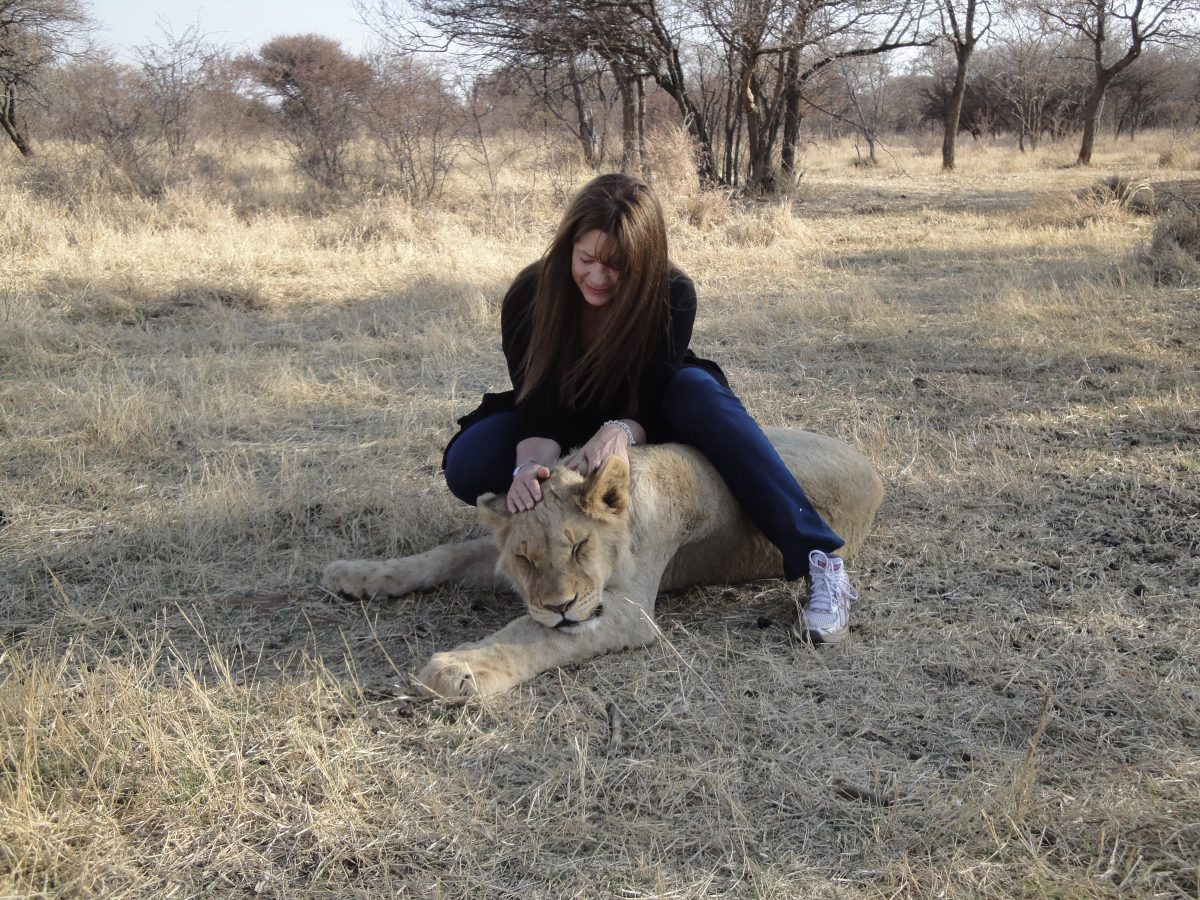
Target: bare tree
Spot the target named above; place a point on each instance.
(1145, 94)
(963, 31)
(867, 95)
(635, 39)
(416, 122)
(770, 49)
(320, 89)
(1181, 108)
(778, 46)
(100, 104)
(545, 45)
(571, 92)
(1115, 33)
(33, 34)
(1027, 73)
(175, 71)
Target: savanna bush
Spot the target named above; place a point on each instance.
(1123, 193)
(669, 158)
(1174, 254)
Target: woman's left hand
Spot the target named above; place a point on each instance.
(610, 440)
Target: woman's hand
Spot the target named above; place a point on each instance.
(526, 490)
(610, 440)
(533, 455)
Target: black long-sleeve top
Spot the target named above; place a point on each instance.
(541, 414)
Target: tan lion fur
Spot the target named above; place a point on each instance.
(590, 559)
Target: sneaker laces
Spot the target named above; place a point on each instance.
(827, 580)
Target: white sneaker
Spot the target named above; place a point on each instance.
(825, 619)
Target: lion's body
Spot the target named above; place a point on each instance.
(590, 559)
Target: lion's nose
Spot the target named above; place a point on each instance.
(560, 608)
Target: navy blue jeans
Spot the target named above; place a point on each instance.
(698, 410)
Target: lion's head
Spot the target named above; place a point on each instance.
(560, 554)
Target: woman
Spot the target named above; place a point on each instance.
(596, 337)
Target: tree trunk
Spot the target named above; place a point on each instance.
(707, 165)
(791, 114)
(1095, 100)
(8, 118)
(962, 54)
(760, 177)
(630, 151)
(641, 117)
(728, 160)
(17, 138)
(731, 125)
(587, 125)
(1091, 118)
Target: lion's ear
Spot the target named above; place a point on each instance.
(493, 510)
(606, 490)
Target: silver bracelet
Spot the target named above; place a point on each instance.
(628, 431)
(517, 470)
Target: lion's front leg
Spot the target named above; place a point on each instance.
(524, 649)
(471, 564)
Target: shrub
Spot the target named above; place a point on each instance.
(1174, 255)
(319, 90)
(1121, 192)
(669, 156)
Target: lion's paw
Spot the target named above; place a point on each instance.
(450, 676)
(361, 579)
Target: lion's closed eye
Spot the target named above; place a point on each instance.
(575, 550)
(524, 560)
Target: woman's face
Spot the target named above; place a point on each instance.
(595, 279)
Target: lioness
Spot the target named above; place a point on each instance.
(590, 559)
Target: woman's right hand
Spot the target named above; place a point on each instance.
(526, 490)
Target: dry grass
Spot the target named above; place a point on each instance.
(1174, 253)
(206, 397)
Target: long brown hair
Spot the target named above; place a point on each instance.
(627, 212)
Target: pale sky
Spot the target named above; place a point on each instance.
(246, 24)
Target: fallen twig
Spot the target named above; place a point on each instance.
(853, 792)
(615, 742)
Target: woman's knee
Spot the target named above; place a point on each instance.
(462, 477)
(477, 459)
